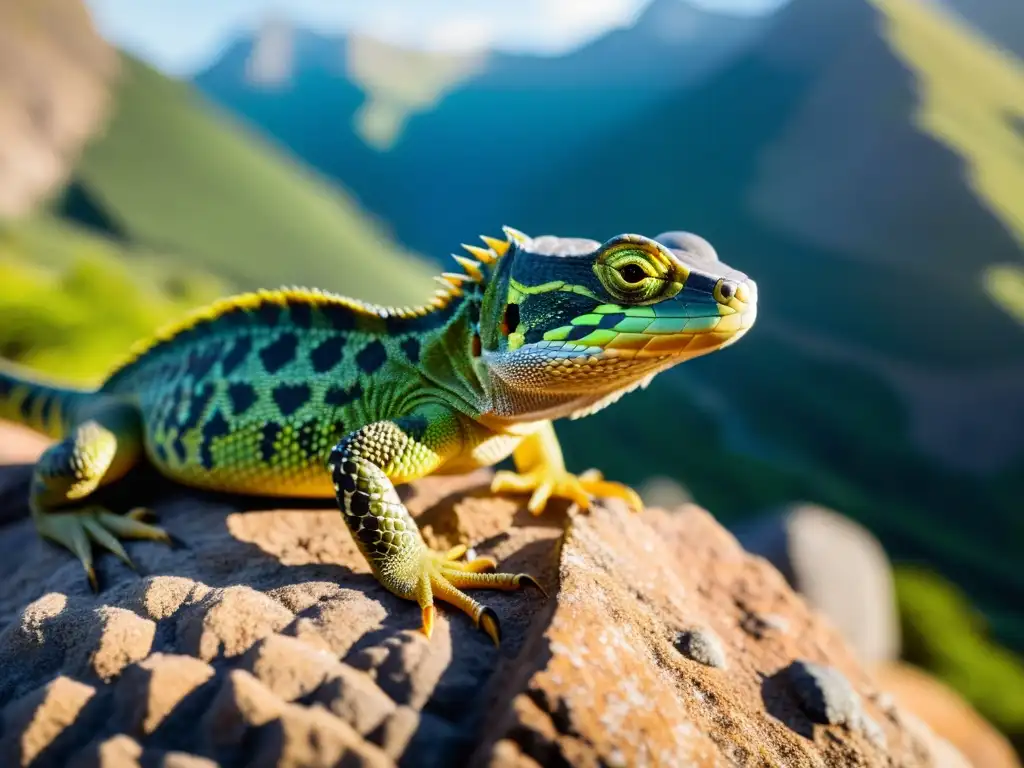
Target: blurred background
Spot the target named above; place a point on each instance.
(863, 160)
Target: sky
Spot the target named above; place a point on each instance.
(180, 37)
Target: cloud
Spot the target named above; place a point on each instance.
(539, 26)
(182, 36)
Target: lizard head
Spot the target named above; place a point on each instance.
(572, 324)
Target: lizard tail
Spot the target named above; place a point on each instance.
(41, 405)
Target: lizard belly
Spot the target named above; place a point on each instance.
(310, 482)
(287, 460)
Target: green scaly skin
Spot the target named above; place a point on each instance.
(302, 393)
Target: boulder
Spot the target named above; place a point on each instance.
(263, 640)
(838, 566)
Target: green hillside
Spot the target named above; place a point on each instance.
(971, 99)
(72, 302)
(173, 172)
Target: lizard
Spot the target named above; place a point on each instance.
(304, 393)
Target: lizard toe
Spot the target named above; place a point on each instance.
(609, 489)
(488, 623)
(81, 529)
(429, 616)
(444, 579)
(131, 527)
(544, 484)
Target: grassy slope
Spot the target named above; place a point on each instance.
(198, 207)
(972, 100)
(71, 302)
(175, 173)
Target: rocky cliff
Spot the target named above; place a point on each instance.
(55, 78)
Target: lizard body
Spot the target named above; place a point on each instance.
(302, 393)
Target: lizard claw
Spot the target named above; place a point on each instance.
(445, 578)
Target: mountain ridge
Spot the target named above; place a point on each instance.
(502, 122)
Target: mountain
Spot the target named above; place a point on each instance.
(174, 172)
(1001, 21)
(462, 163)
(170, 204)
(832, 151)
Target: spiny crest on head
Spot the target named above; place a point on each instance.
(451, 282)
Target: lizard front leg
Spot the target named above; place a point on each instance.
(365, 466)
(99, 450)
(540, 471)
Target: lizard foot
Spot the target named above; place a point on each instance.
(79, 530)
(444, 576)
(543, 484)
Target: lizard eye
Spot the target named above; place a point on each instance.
(637, 271)
(632, 273)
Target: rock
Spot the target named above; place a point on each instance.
(34, 725)
(824, 694)
(613, 689)
(265, 641)
(157, 687)
(663, 492)
(55, 80)
(947, 713)
(804, 543)
(123, 752)
(701, 645)
(839, 567)
(229, 621)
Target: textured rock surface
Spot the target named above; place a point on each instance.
(265, 642)
(55, 74)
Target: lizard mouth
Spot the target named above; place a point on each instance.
(676, 329)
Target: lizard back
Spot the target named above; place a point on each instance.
(250, 394)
